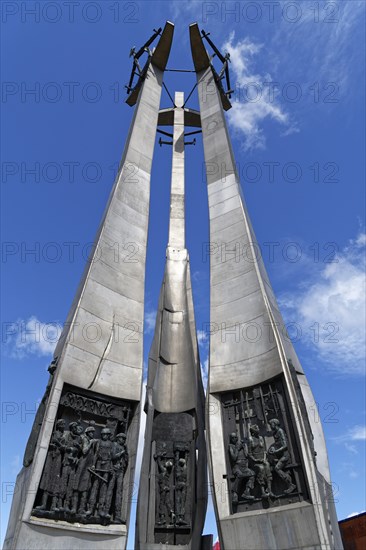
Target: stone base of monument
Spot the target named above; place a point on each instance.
(38, 533)
(205, 544)
(278, 528)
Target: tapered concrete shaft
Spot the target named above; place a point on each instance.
(249, 349)
(175, 399)
(100, 352)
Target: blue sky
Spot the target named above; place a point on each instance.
(297, 126)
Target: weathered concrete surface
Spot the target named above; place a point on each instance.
(247, 343)
(110, 299)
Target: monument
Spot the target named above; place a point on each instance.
(266, 456)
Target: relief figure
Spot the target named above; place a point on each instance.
(280, 454)
(261, 466)
(238, 454)
(51, 477)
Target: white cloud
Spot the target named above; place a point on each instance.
(309, 59)
(351, 448)
(357, 433)
(253, 103)
(31, 337)
(335, 301)
(183, 9)
(350, 438)
(150, 319)
(202, 338)
(348, 469)
(320, 44)
(204, 372)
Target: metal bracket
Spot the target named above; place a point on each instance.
(157, 56)
(224, 72)
(162, 142)
(141, 72)
(193, 142)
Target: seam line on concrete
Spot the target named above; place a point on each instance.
(223, 189)
(244, 360)
(245, 322)
(226, 227)
(120, 272)
(108, 320)
(105, 358)
(115, 292)
(231, 278)
(236, 299)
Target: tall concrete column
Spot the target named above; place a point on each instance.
(267, 496)
(96, 375)
(173, 490)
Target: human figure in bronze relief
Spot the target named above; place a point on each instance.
(51, 477)
(82, 480)
(238, 454)
(181, 491)
(165, 468)
(280, 454)
(72, 443)
(120, 463)
(258, 457)
(102, 473)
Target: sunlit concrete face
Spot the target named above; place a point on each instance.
(242, 300)
(110, 298)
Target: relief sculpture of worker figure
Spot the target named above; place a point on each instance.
(280, 454)
(258, 457)
(82, 480)
(51, 477)
(165, 509)
(238, 454)
(72, 442)
(181, 491)
(120, 463)
(102, 471)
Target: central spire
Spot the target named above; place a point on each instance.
(173, 485)
(177, 220)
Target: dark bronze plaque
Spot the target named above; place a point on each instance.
(173, 427)
(83, 475)
(174, 457)
(264, 466)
